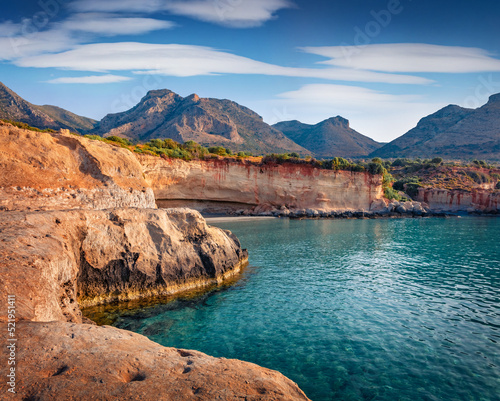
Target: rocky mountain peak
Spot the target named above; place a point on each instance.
(194, 98)
(494, 99)
(339, 121)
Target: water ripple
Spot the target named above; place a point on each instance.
(356, 310)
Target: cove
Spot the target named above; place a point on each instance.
(395, 309)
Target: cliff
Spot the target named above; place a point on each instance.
(446, 200)
(51, 171)
(246, 185)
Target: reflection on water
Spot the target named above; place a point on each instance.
(355, 310)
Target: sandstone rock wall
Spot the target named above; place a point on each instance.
(58, 261)
(461, 201)
(51, 171)
(291, 185)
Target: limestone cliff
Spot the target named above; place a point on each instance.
(476, 200)
(51, 171)
(295, 186)
(57, 261)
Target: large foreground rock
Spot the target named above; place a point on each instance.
(55, 261)
(65, 361)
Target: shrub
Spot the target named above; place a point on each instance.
(391, 194)
(400, 163)
(376, 168)
(478, 177)
(95, 137)
(218, 150)
(437, 160)
(119, 140)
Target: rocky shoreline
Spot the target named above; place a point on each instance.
(79, 226)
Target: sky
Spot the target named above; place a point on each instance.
(382, 64)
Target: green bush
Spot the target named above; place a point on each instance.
(95, 138)
(437, 160)
(376, 168)
(478, 177)
(218, 150)
(391, 194)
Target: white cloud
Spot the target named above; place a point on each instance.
(187, 60)
(9, 28)
(93, 79)
(379, 115)
(144, 6)
(18, 40)
(408, 58)
(108, 24)
(234, 13)
(19, 46)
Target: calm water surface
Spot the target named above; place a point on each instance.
(355, 310)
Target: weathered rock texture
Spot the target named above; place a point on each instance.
(49, 171)
(296, 186)
(65, 361)
(56, 261)
(478, 200)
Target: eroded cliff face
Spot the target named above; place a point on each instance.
(53, 171)
(59, 261)
(295, 186)
(478, 200)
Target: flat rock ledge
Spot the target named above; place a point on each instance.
(66, 361)
(56, 261)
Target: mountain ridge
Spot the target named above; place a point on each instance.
(210, 122)
(14, 107)
(329, 138)
(452, 132)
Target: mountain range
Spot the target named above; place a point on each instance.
(15, 108)
(209, 122)
(452, 133)
(330, 137)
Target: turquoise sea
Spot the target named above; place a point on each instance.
(396, 309)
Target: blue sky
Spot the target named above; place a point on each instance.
(383, 64)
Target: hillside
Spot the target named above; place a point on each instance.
(15, 108)
(332, 137)
(210, 122)
(452, 133)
